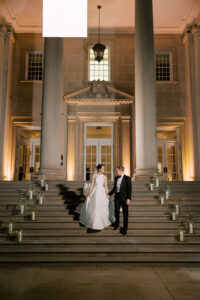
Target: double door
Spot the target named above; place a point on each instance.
(169, 164)
(98, 153)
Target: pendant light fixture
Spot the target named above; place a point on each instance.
(99, 48)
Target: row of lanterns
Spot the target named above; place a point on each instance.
(25, 196)
(165, 194)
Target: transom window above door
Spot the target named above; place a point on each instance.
(99, 71)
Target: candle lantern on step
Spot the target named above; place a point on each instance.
(19, 235)
(10, 228)
(151, 187)
(42, 181)
(157, 182)
(31, 191)
(30, 194)
(22, 206)
(41, 198)
(177, 209)
(22, 195)
(162, 199)
(173, 216)
(167, 192)
(190, 227)
(21, 209)
(151, 184)
(181, 235)
(46, 187)
(33, 215)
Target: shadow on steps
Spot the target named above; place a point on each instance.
(73, 199)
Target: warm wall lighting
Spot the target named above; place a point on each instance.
(71, 156)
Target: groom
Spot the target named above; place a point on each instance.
(122, 189)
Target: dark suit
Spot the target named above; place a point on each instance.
(120, 199)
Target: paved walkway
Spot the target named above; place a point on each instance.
(98, 282)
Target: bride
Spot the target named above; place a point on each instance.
(96, 212)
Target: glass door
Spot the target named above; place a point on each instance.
(24, 162)
(28, 158)
(98, 149)
(35, 156)
(168, 161)
(106, 159)
(91, 160)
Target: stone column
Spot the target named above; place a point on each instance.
(196, 37)
(191, 150)
(2, 52)
(52, 98)
(133, 140)
(145, 95)
(6, 59)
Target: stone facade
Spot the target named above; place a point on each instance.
(26, 98)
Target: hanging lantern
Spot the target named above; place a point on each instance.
(99, 48)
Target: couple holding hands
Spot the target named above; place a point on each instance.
(98, 210)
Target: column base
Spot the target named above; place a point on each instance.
(144, 174)
(52, 173)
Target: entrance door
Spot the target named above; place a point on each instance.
(168, 160)
(98, 149)
(28, 158)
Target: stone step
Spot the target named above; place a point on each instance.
(100, 240)
(45, 215)
(69, 218)
(124, 246)
(53, 202)
(74, 224)
(102, 256)
(63, 209)
(43, 210)
(36, 233)
(57, 236)
(66, 220)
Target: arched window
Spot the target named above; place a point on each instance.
(99, 71)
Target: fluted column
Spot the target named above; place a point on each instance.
(52, 101)
(145, 94)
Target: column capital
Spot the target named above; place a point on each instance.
(196, 31)
(3, 29)
(7, 31)
(187, 38)
(10, 36)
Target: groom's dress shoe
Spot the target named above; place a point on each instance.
(123, 231)
(116, 226)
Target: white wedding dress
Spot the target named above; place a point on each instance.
(97, 211)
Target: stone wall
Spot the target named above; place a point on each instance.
(170, 96)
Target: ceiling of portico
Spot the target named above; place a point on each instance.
(170, 16)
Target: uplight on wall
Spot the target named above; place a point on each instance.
(65, 18)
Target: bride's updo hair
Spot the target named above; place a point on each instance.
(99, 167)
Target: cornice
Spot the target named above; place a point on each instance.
(87, 101)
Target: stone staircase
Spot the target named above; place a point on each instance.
(56, 236)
